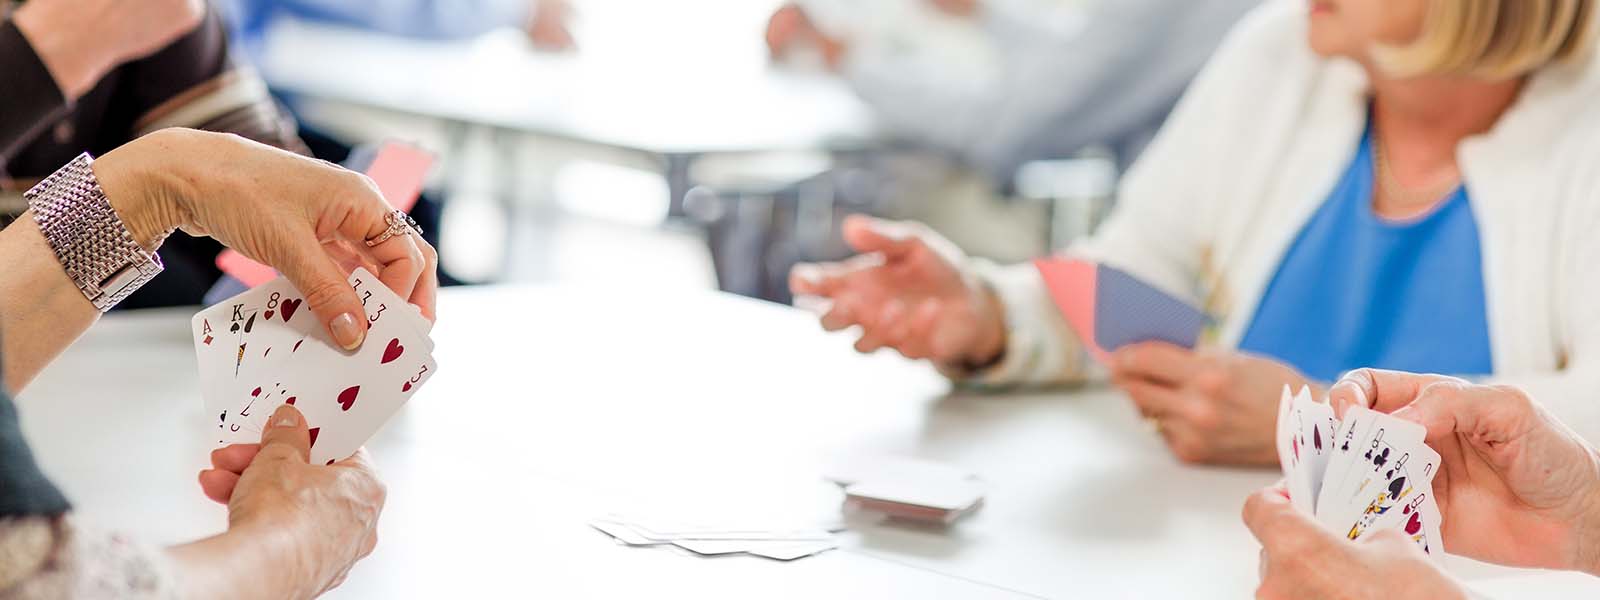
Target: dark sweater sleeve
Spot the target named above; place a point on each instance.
(24, 490)
(200, 69)
(31, 97)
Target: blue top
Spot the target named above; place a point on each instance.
(431, 19)
(1357, 290)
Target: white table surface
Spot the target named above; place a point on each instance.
(685, 76)
(554, 405)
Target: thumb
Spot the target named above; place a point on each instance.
(1380, 390)
(328, 294)
(1489, 414)
(286, 435)
(892, 239)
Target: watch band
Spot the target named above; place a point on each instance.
(91, 241)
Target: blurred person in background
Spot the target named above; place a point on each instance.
(90, 76)
(972, 91)
(1047, 79)
(1403, 184)
(294, 529)
(545, 21)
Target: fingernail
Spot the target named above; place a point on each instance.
(346, 332)
(285, 416)
(807, 273)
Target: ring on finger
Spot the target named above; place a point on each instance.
(399, 223)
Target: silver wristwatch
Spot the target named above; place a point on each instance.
(91, 241)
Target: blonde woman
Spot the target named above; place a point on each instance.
(1404, 184)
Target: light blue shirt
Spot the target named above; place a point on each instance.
(430, 19)
(1054, 92)
(1357, 290)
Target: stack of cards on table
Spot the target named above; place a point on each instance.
(264, 348)
(765, 538)
(906, 489)
(1365, 474)
(1108, 308)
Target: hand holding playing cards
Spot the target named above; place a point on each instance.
(1211, 406)
(328, 514)
(1302, 559)
(907, 291)
(307, 218)
(1515, 487)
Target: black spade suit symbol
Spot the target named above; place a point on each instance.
(1397, 486)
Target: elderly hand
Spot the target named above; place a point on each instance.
(907, 292)
(547, 25)
(80, 41)
(1301, 560)
(1515, 486)
(326, 515)
(790, 28)
(958, 8)
(1211, 406)
(307, 218)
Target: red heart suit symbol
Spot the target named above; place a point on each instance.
(406, 387)
(289, 306)
(314, 432)
(392, 351)
(347, 398)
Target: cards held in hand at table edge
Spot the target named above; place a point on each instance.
(1366, 473)
(264, 348)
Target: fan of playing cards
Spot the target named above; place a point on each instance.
(264, 348)
(1368, 473)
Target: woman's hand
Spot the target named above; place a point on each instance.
(548, 25)
(294, 529)
(330, 513)
(958, 8)
(1211, 406)
(307, 218)
(1515, 486)
(1300, 559)
(907, 292)
(790, 28)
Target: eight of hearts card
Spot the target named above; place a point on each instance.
(264, 348)
(1366, 473)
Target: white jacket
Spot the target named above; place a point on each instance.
(1256, 146)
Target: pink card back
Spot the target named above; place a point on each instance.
(1071, 283)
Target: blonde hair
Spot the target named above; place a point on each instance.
(1494, 39)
